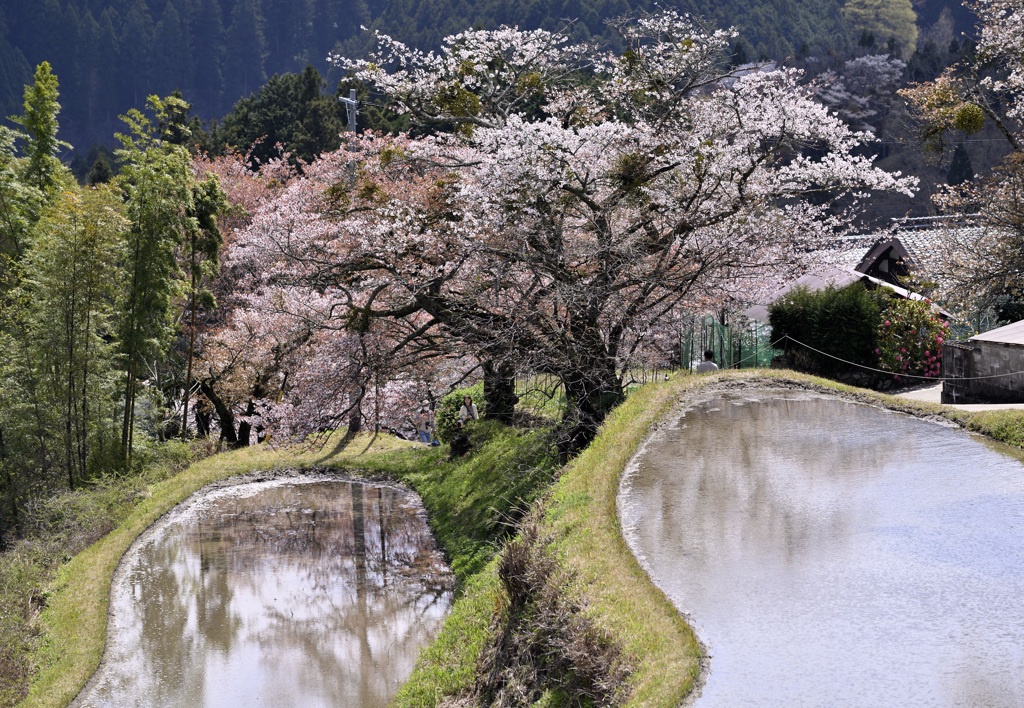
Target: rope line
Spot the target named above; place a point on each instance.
(896, 373)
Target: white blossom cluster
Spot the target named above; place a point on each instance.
(1002, 39)
(569, 205)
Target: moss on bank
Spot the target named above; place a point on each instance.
(472, 504)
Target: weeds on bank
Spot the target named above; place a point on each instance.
(543, 644)
(473, 502)
(566, 615)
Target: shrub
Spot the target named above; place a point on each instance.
(840, 322)
(446, 417)
(910, 339)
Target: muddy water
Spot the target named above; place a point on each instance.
(276, 594)
(834, 554)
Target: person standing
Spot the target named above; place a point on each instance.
(708, 364)
(423, 426)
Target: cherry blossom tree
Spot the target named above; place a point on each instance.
(565, 200)
(986, 86)
(233, 365)
(979, 267)
(1002, 40)
(600, 204)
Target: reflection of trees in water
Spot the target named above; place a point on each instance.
(332, 586)
(778, 473)
(328, 524)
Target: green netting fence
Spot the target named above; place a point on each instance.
(742, 345)
(746, 345)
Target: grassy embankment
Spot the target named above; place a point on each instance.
(471, 503)
(579, 523)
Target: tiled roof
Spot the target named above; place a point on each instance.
(925, 246)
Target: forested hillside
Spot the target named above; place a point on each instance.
(111, 54)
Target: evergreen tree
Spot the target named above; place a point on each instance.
(39, 122)
(245, 47)
(100, 172)
(39, 29)
(67, 59)
(208, 52)
(136, 55)
(960, 169)
(109, 66)
(290, 36)
(884, 20)
(15, 72)
(90, 60)
(171, 53)
(289, 109)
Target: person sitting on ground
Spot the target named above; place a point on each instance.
(708, 364)
(468, 411)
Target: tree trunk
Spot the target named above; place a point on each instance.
(500, 397)
(224, 415)
(129, 408)
(202, 418)
(245, 427)
(591, 393)
(355, 416)
(191, 350)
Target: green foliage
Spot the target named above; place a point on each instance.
(910, 339)
(970, 118)
(55, 528)
(290, 110)
(1006, 426)
(446, 416)
(67, 293)
(20, 203)
(448, 666)
(474, 501)
(158, 184)
(841, 322)
(884, 20)
(39, 122)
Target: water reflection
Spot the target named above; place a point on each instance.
(281, 594)
(833, 554)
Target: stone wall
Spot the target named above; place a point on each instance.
(982, 372)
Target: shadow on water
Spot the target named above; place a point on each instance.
(834, 554)
(277, 593)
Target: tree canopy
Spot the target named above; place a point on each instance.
(567, 203)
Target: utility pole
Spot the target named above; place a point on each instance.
(356, 389)
(351, 105)
(350, 109)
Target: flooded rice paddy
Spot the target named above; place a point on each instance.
(319, 593)
(835, 554)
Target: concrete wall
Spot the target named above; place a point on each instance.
(982, 372)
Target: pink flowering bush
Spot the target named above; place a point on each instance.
(910, 339)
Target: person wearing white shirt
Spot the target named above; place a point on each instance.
(468, 411)
(708, 364)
